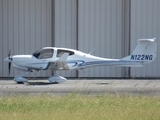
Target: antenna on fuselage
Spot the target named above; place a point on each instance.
(92, 50)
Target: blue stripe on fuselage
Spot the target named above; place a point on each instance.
(92, 63)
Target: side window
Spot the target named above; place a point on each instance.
(61, 52)
(43, 54)
(46, 53)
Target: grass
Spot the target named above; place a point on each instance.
(79, 107)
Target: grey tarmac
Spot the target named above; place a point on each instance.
(117, 87)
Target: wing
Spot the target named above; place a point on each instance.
(59, 64)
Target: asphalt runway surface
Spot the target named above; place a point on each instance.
(117, 87)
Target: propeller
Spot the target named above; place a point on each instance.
(9, 64)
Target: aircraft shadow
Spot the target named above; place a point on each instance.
(104, 83)
(40, 83)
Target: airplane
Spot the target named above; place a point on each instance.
(69, 59)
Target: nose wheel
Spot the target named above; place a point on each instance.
(20, 78)
(20, 83)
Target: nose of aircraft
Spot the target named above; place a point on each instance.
(7, 59)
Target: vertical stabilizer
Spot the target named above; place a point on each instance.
(145, 51)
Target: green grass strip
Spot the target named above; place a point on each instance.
(79, 107)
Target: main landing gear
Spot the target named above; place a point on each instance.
(56, 78)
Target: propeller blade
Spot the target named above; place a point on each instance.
(9, 64)
(9, 67)
(9, 53)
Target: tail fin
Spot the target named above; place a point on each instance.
(144, 52)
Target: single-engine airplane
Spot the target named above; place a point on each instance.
(69, 59)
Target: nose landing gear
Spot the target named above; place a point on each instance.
(20, 78)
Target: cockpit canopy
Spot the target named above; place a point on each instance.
(43, 53)
(48, 53)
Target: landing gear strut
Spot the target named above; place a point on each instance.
(20, 78)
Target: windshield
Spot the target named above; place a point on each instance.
(43, 53)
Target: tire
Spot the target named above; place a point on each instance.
(20, 83)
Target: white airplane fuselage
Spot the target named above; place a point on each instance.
(79, 60)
